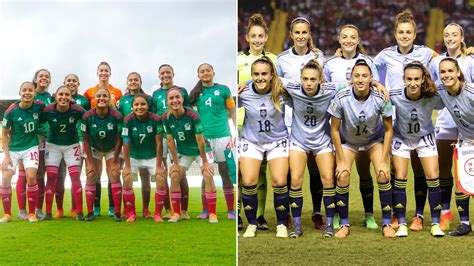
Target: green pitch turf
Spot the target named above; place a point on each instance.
(363, 246)
(103, 241)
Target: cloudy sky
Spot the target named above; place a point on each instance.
(74, 36)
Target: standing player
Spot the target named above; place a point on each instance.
(446, 128)
(414, 130)
(63, 143)
(20, 142)
(338, 69)
(101, 129)
(264, 134)
(211, 98)
(182, 124)
(103, 73)
(142, 143)
(166, 75)
(358, 109)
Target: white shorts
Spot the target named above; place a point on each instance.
(186, 160)
(443, 133)
(54, 153)
(295, 146)
(99, 155)
(138, 164)
(424, 146)
(356, 148)
(29, 158)
(276, 149)
(218, 146)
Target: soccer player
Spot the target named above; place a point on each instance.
(458, 97)
(103, 73)
(101, 129)
(182, 124)
(20, 142)
(72, 82)
(264, 133)
(356, 112)
(414, 130)
(211, 98)
(142, 140)
(166, 75)
(338, 69)
(63, 143)
(124, 105)
(446, 129)
(393, 59)
(257, 37)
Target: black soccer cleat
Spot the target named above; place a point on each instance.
(90, 217)
(117, 217)
(80, 216)
(262, 223)
(462, 230)
(47, 217)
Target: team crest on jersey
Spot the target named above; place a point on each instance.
(217, 93)
(71, 120)
(78, 102)
(348, 73)
(263, 113)
(149, 129)
(125, 131)
(309, 109)
(362, 117)
(245, 147)
(457, 113)
(110, 126)
(414, 115)
(35, 116)
(187, 126)
(397, 145)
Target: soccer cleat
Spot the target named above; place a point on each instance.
(203, 215)
(370, 223)
(79, 216)
(185, 215)
(174, 218)
(39, 214)
(147, 214)
(167, 215)
(343, 232)
(240, 223)
(96, 211)
(445, 221)
(231, 215)
(32, 218)
(262, 223)
(462, 230)
(117, 217)
(288, 221)
(59, 214)
(328, 231)
(417, 223)
(388, 232)
(436, 231)
(90, 217)
(47, 217)
(317, 220)
(394, 222)
(402, 230)
(213, 218)
(250, 231)
(111, 212)
(297, 231)
(22, 215)
(132, 217)
(158, 218)
(6, 219)
(282, 231)
(73, 214)
(336, 221)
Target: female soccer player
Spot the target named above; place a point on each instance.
(211, 98)
(264, 134)
(338, 69)
(458, 97)
(166, 75)
(124, 105)
(182, 124)
(446, 129)
(72, 82)
(141, 150)
(20, 142)
(103, 73)
(257, 37)
(357, 109)
(414, 131)
(63, 143)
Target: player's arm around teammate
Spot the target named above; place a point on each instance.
(101, 129)
(20, 142)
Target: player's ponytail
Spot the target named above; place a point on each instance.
(406, 16)
(428, 87)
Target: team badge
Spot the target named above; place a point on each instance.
(187, 126)
(149, 129)
(263, 113)
(125, 131)
(362, 117)
(217, 93)
(348, 73)
(414, 115)
(110, 126)
(245, 147)
(71, 120)
(309, 109)
(457, 113)
(35, 116)
(397, 145)
(78, 102)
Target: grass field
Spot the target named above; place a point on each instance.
(66, 241)
(363, 246)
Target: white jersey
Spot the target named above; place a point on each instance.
(338, 68)
(461, 108)
(393, 62)
(466, 64)
(289, 63)
(360, 120)
(413, 117)
(263, 123)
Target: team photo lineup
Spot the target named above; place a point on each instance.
(303, 109)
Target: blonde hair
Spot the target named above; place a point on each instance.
(360, 48)
(276, 85)
(463, 44)
(110, 104)
(310, 43)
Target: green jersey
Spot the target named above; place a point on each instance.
(159, 100)
(102, 132)
(212, 108)
(124, 105)
(23, 125)
(62, 125)
(47, 99)
(244, 63)
(83, 102)
(184, 130)
(140, 135)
